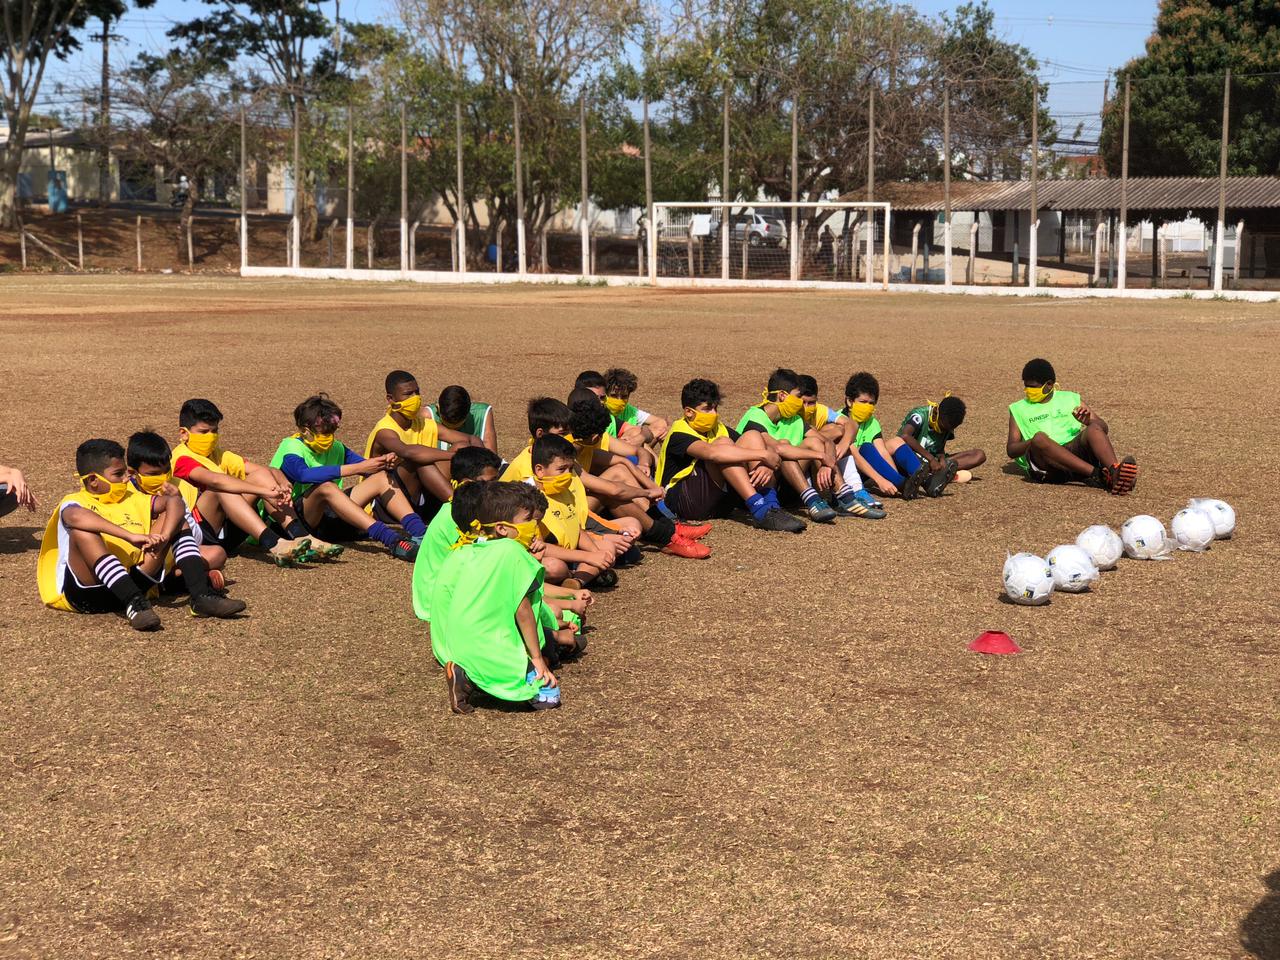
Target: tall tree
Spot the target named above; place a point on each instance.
(1176, 92)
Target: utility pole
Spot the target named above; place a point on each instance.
(1122, 252)
(1033, 237)
(104, 118)
(1221, 237)
(794, 236)
(461, 231)
(725, 228)
(583, 225)
(521, 262)
(651, 228)
(946, 183)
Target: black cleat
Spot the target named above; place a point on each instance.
(938, 480)
(141, 616)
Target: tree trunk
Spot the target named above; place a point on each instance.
(9, 162)
(184, 220)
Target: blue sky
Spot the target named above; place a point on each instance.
(1076, 45)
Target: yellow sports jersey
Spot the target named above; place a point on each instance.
(421, 433)
(220, 461)
(133, 513)
(521, 468)
(566, 514)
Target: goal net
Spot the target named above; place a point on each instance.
(835, 241)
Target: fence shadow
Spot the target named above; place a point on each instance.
(1260, 929)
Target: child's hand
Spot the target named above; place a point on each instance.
(542, 673)
(771, 459)
(1083, 414)
(149, 542)
(761, 476)
(585, 596)
(935, 464)
(537, 547)
(825, 478)
(378, 464)
(887, 488)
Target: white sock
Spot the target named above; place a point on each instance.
(849, 470)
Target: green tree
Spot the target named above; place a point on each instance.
(1176, 92)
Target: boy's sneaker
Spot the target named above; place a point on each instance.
(693, 531)
(850, 506)
(1120, 478)
(406, 549)
(820, 511)
(938, 480)
(212, 605)
(911, 487)
(680, 547)
(140, 615)
(460, 688)
(548, 698)
(779, 520)
(287, 553)
(865, 497)
(317, 548)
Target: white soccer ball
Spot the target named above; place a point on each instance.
(1222, 514)
(1102, 544)
(1145, 538)
(1193, 529)
(1073, 568)
(1027, 579)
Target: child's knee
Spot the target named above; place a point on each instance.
(556, 570)
(979, 457)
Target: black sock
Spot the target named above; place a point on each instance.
(297, 530)
(268, 538)
(661, 532)
(112, 575)
(195, 572)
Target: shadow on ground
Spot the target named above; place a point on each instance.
(1260, 930)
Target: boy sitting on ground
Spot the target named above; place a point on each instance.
(485, 605)
(1054, 437)
(702, 460)
(423, 468)
(837, 429)
(807, 462)
(925, 432)
(571, 550)
(221, 489)
(630, 424)
(316, 465)
(877, 463)
(456, 411)
(106, 546)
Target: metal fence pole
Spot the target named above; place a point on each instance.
(583, 225)
(651, 227)
(794, 235)
(1033, 228)
(725, 228)
(946, 183)
(461, 225)
(404, 192)
(1122, 252)
(1220, 238)
(295, 248)
(351, 190)
(244, 193)
(521, 262)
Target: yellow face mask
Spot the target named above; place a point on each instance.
(704, 421)
(616, 405)
(152, 484)
(1041, 393)
(201, 444)
(319, 442)
(408, 407)
(557, 483)
(861, 412)
(525, 532)
(789, 407)
(115, 493)
(809, 415)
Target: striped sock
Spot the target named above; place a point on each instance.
(808, 495)
(186, 557)
(845, 491)
(111, 573)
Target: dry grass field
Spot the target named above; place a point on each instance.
(784, 751)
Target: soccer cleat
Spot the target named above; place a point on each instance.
(140, 615)
(320, 549)
(939, 479)
(851, 506)
(212, 605)
(405, 549)
(820, 511)
(287, 553)
(680, 547)
(865, 497)
(548, 698)
(910, 488)
(693, 531)
(1120, 478)
(780, 521)
(460, 688)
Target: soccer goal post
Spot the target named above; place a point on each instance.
(770, 242)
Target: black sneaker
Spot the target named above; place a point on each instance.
(938, 480)
(213, 605)
(911, 487)
(460, 688)
(780, 520)
(140, 615)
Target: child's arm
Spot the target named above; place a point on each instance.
(170, 513)
(869, 472)
(457, 438)
(1015, 446)
(788, 452)
(908, 435)
(205, 479)
(1088, 417)
(17, 484)
(592, 557)
(730, 454)
(415, 453)
(78, 518)
(489, 431)
(599, 487)
(845, 443)
(527, 623)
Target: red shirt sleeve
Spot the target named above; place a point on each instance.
(182, 469)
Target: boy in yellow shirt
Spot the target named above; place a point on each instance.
(570, 548)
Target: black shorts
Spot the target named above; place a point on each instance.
(1077, 446)
(331, 529)
(696, 496)
(97, 598)
(232, 538)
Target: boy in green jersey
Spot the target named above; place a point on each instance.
(837, 429)
(487, 606)
(470, 465)
(457, 411)
(873, 458)
(629, 422)
(808, 461)
(923, 438)
(1056, 438)
(316, 465)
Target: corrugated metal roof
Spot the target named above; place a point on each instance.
(1174, 194)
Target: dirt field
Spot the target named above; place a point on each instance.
(783, 751)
